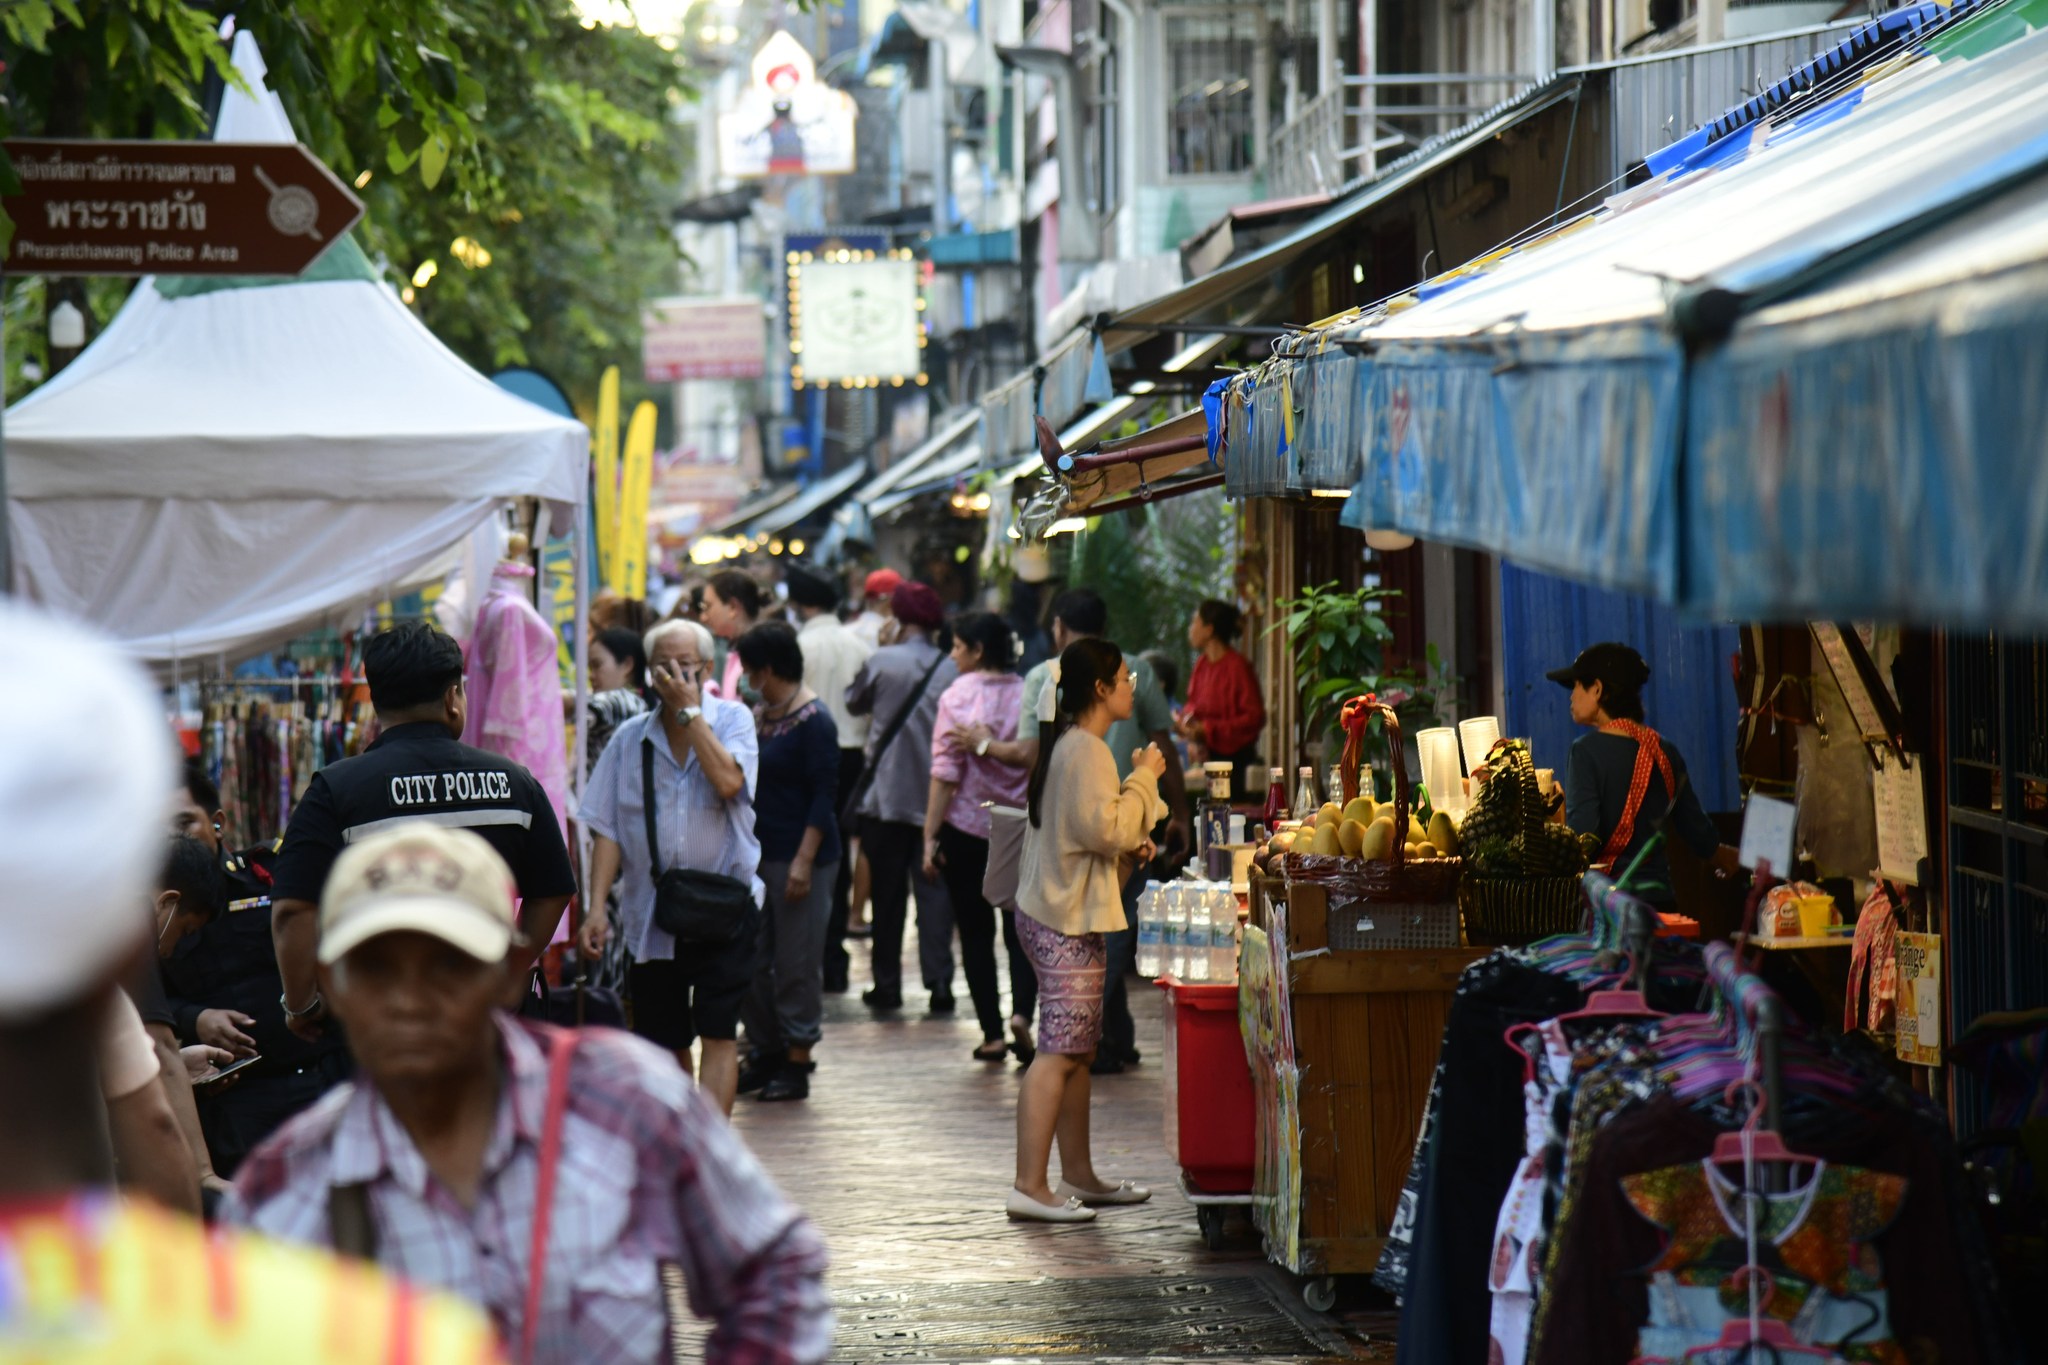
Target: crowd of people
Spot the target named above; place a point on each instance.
(341, 1039)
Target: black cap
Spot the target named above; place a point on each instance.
(808, 589)
(1616, 665)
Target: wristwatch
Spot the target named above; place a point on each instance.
(686, 715)
(313, 1007)
(981, 749)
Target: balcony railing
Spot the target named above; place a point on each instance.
(1342, 135)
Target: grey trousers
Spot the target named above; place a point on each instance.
(895, 852)
(785, 1006)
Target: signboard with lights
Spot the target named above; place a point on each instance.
(786, 121)
(856, 319)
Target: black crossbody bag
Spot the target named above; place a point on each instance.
(693, 907)
(849, 804)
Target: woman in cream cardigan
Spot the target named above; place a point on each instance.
(1069, 894)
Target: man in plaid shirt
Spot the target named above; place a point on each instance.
(430, 1161)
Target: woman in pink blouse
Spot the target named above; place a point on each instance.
(981, 705)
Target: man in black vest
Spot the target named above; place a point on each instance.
(417, 770)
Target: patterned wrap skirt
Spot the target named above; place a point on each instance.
(1071, 974)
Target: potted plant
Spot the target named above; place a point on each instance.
(1338, 640)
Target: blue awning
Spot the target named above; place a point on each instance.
(1535, 404)
(1877, 448)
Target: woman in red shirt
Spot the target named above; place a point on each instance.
(1224, 714)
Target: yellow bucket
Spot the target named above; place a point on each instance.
(1816, 913)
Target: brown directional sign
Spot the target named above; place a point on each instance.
(172, 208)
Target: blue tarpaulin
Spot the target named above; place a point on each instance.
(1562, 455)
(1878, 448)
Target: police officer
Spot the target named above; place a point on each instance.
(223, 989)
(417, 770)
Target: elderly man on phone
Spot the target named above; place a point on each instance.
(703, 756)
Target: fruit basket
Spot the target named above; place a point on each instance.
(1392, 881)
(1523, 873)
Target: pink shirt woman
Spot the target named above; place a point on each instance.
(981, 705)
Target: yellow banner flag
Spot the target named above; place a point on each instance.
(604, 458)
(636, 479)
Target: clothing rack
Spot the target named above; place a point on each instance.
(1761, 1014)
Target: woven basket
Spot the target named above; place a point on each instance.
(1512, 911)
(1397, 880)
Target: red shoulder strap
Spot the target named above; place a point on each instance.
(560, 1049)
(1649, 755)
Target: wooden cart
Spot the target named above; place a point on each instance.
(1344, 1045)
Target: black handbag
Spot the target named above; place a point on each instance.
(704, 908)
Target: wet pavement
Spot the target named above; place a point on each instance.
(903, 1155)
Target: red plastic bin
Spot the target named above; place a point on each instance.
(1209, 1106)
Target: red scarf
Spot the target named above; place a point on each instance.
(1649, 754)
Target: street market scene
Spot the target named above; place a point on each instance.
(1006, 681)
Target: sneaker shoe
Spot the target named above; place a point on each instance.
(876, 998)
(791, 1083)
(757, 1072)
(942, 1002)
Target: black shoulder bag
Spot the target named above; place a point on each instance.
(850, 806)
(694, 907)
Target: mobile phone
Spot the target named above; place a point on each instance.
(225, 1072)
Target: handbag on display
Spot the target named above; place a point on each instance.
(691, 906)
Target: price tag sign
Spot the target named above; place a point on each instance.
(1767, 825)
(1919, 1032)
(1901, 819)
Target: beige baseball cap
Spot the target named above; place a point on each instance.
(422, 877)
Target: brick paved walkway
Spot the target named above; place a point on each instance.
(903, 1155)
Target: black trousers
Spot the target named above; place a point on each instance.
(895, 850)
(964, 865)
(837, 961)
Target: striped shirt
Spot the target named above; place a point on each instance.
(653, 1184)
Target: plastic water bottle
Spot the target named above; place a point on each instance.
(1176, 938)
(1223, 937)
(1151, 931)
(1198, 933)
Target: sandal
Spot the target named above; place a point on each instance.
(982, 1053)
(1020, 1033)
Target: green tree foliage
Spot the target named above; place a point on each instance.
(532, 160)
(1153, 565)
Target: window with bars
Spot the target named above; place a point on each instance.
(1997, 790)
(1210, 55)
(1105, 167)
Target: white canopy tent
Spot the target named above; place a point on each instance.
(233, 462)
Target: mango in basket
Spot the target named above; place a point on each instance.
(1350, 836)
(1361, 809)
(1282, 843)
(1443, 834)
(1379, 840)
(1326, 844)
(1423, 851)
(1330, 813)
(1417, 832)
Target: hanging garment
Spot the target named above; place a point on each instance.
(515, 686)
(1518, 1233)
(1813, 1243)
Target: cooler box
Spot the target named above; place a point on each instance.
(1209, 1108)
